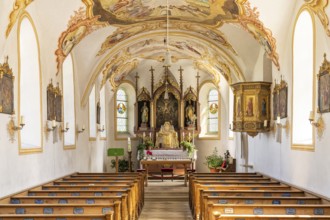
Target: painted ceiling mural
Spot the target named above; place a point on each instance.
(207, 58)
(124, 12)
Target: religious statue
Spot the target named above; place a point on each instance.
(167, 136)
(145, 113)
(190, 114)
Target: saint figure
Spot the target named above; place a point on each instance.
(145, 113)
(190, 113)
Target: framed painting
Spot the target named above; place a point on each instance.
(275, 104)
(50, 102)
(6, 88)
(283, 102)
(324, 88)
(98, 113)
(249, 105)
(264, 106)
(238, 107)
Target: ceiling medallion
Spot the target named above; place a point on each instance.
(251, 23)
(18, 9)
(78, 27)
(318, 7)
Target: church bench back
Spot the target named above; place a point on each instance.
(125, 210)
(262, 209)
(217, 216)
(254, 200)
(109, 216)
(22, 209)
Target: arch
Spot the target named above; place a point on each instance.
(30, 138)
(69, 116)
(141, 37)
(303, 51)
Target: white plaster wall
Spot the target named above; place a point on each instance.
(309, 170)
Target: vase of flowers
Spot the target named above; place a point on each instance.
(189, 147)
(149, 154)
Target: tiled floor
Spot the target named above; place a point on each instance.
(166, 200)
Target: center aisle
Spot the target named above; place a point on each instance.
(166, 200)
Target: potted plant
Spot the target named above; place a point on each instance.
(214, 161)
(140, 149)
(149, 144)
(189, 147)
(122, 164)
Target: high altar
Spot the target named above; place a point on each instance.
(166, 112)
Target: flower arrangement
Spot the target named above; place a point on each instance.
(141, 147)
(149, 153)
(189, 147)
(149, 144)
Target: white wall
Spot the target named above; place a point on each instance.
(309, 170)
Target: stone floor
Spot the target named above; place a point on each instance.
(166, 200)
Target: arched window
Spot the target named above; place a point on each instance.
(92, 115)
(122, 111)
(102, 116)
(213, 113)
(303, 80)
(29, 84)
(69, 103)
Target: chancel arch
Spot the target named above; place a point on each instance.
(30, 83)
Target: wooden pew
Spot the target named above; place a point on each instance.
(108, 216)
(254, 200)
(263, 209)
(125, 212)
(218, 216)
(31, 209)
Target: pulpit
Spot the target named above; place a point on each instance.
(167, 137)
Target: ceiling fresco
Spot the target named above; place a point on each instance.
(206, 58)
(125, 12)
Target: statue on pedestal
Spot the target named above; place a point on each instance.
(190, 114)
(145, 113)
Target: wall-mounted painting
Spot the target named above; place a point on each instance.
(324, 87)
(50, 101)
(6, 88)
(58, 104)
(283, 102)
(275, 104)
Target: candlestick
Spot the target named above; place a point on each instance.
(311, 116)
(53, 123)
(265, 123)
(67, 125)
(129, 148)
(83, 127)
(22, 120)
(278, 121)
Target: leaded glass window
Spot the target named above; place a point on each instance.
(213, 113)
(121, 108)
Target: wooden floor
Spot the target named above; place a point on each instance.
(166, 200)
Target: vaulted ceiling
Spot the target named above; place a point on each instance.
(114, 39)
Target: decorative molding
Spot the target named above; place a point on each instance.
(79, 26)
(17, 11)
(144, 95)
(318, 8)
(249, 20)
(190, 94)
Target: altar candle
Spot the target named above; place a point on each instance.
(183, 135)
(53, 124)
(83, 127)
(150, 135)
(311, 116)
(278, 121)
(67, 125)
(189, 135)
(103, 127)
(265, 123)
(22, 120)
(144, 135)
(129, 148)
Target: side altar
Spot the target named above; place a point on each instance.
(165, 112)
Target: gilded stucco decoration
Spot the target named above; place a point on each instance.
(251, 23)
(79, 26)
(17, 11)
(119, 12)
(144, 95)
(318, 7)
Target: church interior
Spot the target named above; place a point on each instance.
(83, 81)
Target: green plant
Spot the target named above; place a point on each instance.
(149, 143)
(122, 164)
(189, 147)
(214, 160)
(140, 148)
